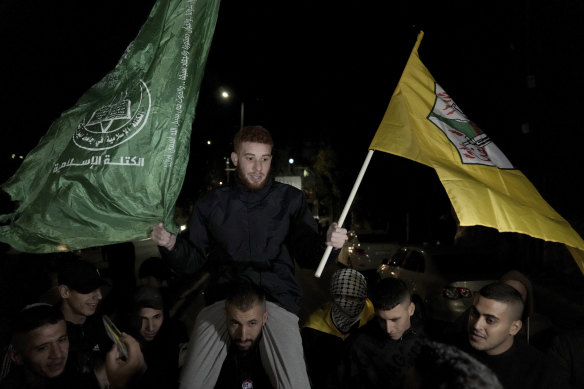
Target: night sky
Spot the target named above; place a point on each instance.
(323, 72)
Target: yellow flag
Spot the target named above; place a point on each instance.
(423, 123)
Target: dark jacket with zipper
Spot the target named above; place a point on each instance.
(372, 359)
(256, 235)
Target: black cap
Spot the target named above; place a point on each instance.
(80, 276)
(148, 297)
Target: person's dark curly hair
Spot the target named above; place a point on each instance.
(389, 292)
(255, 134)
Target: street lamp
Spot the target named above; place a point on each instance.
(225, 95)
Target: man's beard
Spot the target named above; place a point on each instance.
(249, 344)
(252, 186)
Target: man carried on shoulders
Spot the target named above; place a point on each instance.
(257, 230)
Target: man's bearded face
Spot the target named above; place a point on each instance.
(252, 162)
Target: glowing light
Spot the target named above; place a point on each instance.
(62, 247)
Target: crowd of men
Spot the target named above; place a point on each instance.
(250, 236)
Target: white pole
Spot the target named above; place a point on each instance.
(328, 250)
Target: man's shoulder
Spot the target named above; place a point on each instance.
(286, 189)
(369, 334)
(519, 354)
(417, 329)
(318, 316)
(532, 353)
(220, 191)
(212, 197)
(320, 324)
(283, 185)
(15, 379)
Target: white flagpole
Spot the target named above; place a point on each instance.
(328, 250)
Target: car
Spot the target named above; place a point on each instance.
(366, 251)
(443, 281)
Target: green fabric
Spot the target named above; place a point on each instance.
(113, 165)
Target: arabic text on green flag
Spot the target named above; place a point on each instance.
(113, 165)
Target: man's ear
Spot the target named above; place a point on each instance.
(234, 158)
(64, 291)
(15, 356)
(411, 308)
(265, 318)
(515, 327)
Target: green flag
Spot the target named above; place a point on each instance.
(113, 165)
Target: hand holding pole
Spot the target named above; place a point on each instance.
(328, 250)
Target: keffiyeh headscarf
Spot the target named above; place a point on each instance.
(349, 291)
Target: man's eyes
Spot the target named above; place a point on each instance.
(263, 159)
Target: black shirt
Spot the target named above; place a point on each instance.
(88, 344)
(373, 360)
(162, 356)
(522, 366)
(243, 370)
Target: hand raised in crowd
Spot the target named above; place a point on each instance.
(120, 371)
(336, 236)
(162, 237)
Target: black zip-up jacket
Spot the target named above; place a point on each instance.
(255, 235)
(371, 359)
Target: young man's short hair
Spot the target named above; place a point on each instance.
(32, 317)
(147, 296)
(155, 267)
(244, 295)
(255, 134)
(390, 292)
(504, 293)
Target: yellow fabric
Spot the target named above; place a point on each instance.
(320, 319)
(481, 195)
